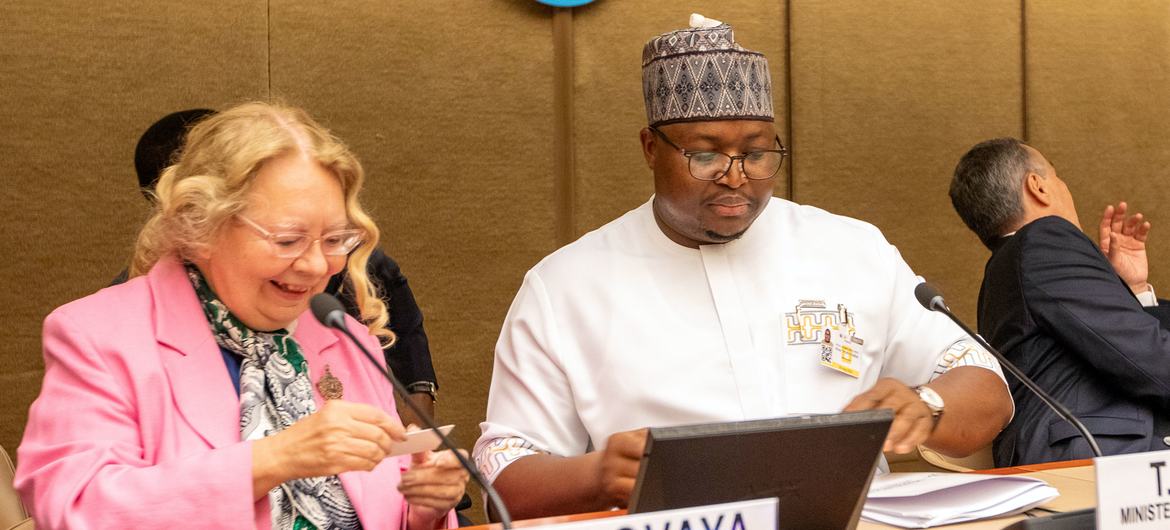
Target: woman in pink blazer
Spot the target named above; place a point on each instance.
(201, 393)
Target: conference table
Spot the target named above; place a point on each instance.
(1074, 479)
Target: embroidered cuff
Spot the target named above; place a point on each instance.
(964, 353)
(492, 456)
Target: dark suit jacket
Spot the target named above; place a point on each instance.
(410, 356)
(1055, 307)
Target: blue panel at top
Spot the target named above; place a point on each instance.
(564, 3)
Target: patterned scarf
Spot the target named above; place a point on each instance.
(275, 392)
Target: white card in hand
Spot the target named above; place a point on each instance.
(419, 441)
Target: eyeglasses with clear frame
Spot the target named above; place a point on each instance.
(712, 165)
(294, 244)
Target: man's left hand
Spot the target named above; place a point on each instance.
(1122, 238)
(913, 422)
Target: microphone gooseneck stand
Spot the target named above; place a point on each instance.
(932, 299)
(329, 312)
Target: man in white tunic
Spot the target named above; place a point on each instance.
(714, 301)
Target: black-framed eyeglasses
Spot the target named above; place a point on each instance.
(712, 165)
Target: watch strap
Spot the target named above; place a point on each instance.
(424, 387)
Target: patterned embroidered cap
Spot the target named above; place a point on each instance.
(701, 74)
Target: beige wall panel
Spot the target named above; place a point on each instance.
(611, 174)
(1098, 89)
(79, 82)
(886, 96)
(449, 107)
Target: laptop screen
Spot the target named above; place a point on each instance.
(819, 467)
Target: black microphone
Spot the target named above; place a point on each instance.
(931, 299)
(328, 311)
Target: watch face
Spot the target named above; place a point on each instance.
(930, 397)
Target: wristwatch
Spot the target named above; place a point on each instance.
(932, 400)
(424, 387)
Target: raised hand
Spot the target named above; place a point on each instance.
(1122, 238)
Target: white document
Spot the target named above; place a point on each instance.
(419, 441)
(923, 500)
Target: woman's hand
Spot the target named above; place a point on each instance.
(432, 487)
(340, 437)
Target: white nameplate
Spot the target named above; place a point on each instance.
(1133, 491)
(744, 515)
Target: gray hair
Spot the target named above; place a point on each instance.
(986, 188)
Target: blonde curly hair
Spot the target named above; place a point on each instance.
(209, 183)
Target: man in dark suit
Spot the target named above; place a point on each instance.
(1068, 312)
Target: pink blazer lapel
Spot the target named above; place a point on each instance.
(321, 347)
(203, 389)
(200, 381)
(317, 346)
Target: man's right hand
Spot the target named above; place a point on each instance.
(1122, 238)
(543, 484)
(617, 466)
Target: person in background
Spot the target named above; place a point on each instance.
(409, 357)
(202, 392)
(1079, 318)
(709, 303)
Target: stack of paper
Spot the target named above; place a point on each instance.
(923, 500)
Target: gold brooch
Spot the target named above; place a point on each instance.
(329, 386)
